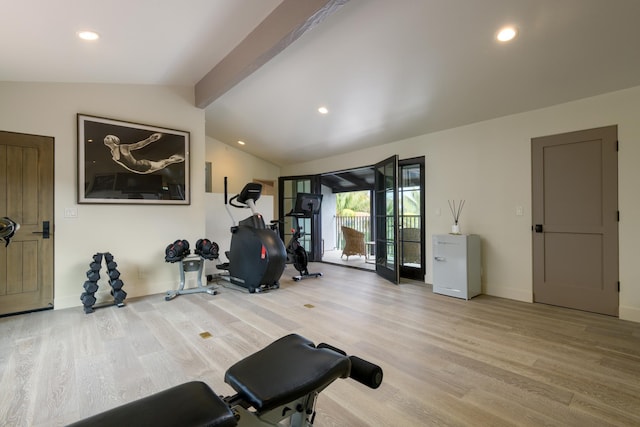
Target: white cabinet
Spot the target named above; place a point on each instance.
(457, 266)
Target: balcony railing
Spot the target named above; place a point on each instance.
(363, 224)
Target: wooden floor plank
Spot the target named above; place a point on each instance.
(449, 362)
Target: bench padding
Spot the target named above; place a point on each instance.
(285, 370)
(189, 404)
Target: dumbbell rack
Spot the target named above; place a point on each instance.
(195, 264)
(91, 285)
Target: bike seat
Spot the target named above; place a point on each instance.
(285, 370)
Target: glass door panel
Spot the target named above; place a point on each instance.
(386, 218)
(411, 213)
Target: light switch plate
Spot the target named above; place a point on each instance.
(70, 212)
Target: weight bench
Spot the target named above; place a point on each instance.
(189, 404)
(280, 381)
(285, 370)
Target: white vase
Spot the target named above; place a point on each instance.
(455, 229)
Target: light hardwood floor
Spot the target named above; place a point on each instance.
(447, 362)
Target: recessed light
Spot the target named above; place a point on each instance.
(507, 34)
(241, 142)
(323, 110)
(88, 35)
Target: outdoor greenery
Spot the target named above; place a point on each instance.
(357, 202)
(347, 204)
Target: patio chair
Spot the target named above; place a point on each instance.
(353, 242)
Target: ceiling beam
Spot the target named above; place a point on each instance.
(290, 20)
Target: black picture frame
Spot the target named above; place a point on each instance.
(121, 162)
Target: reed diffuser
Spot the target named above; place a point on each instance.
(456, 210)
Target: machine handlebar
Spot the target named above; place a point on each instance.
(363, 371)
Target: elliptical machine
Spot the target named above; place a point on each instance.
(306, 206)
(257, 255)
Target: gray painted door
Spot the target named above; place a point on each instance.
(575, 217)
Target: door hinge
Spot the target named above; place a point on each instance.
(617, 145)
(618, 216)
(618, 286)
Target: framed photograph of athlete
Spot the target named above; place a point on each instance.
(122, 162)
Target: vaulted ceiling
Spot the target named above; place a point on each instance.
(386, 70)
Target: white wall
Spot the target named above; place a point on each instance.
(489, 165)
(240, 167)
(135, 234)
(328, 209)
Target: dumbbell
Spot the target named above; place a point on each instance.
(87, 299)
(93, 276)
(207, 249)
(119, 295)
(114, 274)
(90, 287)
(176, 251)
(116, 284)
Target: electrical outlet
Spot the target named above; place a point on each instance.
(519, 211)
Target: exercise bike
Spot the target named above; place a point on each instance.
(306, 206)
(278, 384)
(257, 255)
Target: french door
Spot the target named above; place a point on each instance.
(411, 216)
(398, 216)
(386, 219)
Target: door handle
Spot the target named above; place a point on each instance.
(45, 230)
(439, 258)
(538, 228)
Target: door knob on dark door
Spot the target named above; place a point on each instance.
(538, 228)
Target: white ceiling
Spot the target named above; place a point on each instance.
(387, 70)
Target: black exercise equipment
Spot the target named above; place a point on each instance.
(257, 255)
(207, 249)
(178, 252)
(277, 385)
(93, 275)
(307, 205)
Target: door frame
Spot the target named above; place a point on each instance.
(316, 187)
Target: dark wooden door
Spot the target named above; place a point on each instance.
(575, 220)
(26, 196)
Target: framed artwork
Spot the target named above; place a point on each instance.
(122, 162)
